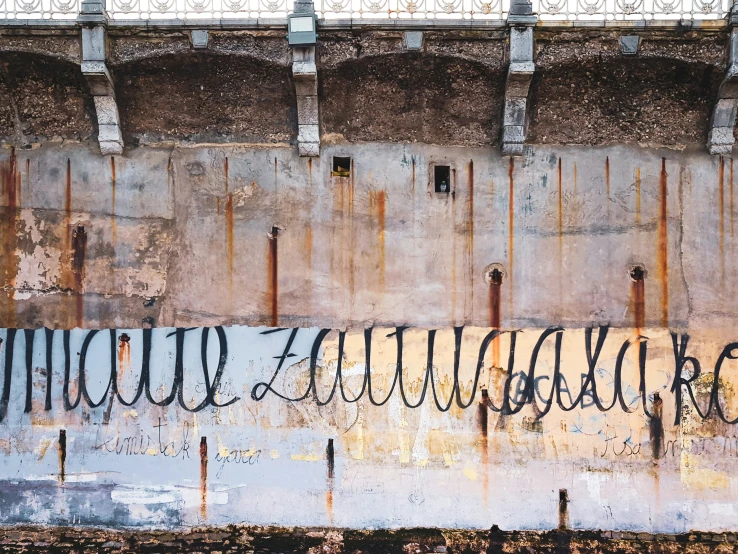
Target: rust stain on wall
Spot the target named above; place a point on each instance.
(229, 227)
(113, 224)
(381, 200)
(470, 234)
(561, 233)
(11, 191)
(511, 225)
(638, 298)
(352, 237)
(662, 253)
(203, 478)
(79, 251)
(721, 217)
(273, 276)
(732, 236)
(638, 195)
(495, 287)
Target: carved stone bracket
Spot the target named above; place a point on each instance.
(93, 20)
(519, 76)
(305, 74)
(720, 138)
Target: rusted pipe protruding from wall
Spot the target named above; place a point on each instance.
(637, 274)
(203, 477)
(563, 509)
(494, 275)
(62, 454)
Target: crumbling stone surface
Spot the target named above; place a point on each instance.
(206, 98)
(586, 92)
(413, 98)
(126, 47)
(486, 47)
(295, 540)
(43, 98)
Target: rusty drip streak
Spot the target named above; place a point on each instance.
(203, 477)
(731, 202)
(229, 237)
(62, 454)
(381, 221)
(9, 268)
(511, 225)
(663, 245)
(471, 232)
(79, 250)
(274, 276)
(639, 304)
(495, 320)
(721, 217)
(113, 180)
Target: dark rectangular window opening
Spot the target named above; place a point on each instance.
(442, 174)
(341, 166)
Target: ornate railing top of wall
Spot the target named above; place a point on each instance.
(548, 10)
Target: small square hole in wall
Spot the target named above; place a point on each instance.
(442, 175)
(341, 166)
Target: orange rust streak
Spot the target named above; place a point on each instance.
(638, 301)
(721, 216)
(114, 226)
(470, 239)
(638, 195)
(9, 239)
(273, 277)
(511, 225)
(352, 246)
(495, 321)
(229, 237)
(310, 170)
(663, 268)
(381, 215)
(79, 250)
(731, 201)
(203, 478)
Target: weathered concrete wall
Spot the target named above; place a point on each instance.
(208, 236)
(235, 285)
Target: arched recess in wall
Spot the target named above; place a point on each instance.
(43, 97)
(413, 97)
(605, 100)
(206, 98)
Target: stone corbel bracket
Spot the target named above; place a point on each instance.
(93, 20)
(521, 21)
(720, 139)
(305, 73)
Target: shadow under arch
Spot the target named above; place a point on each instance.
(206, 97)
(43, 96)
(654, 100)
(413, 97)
